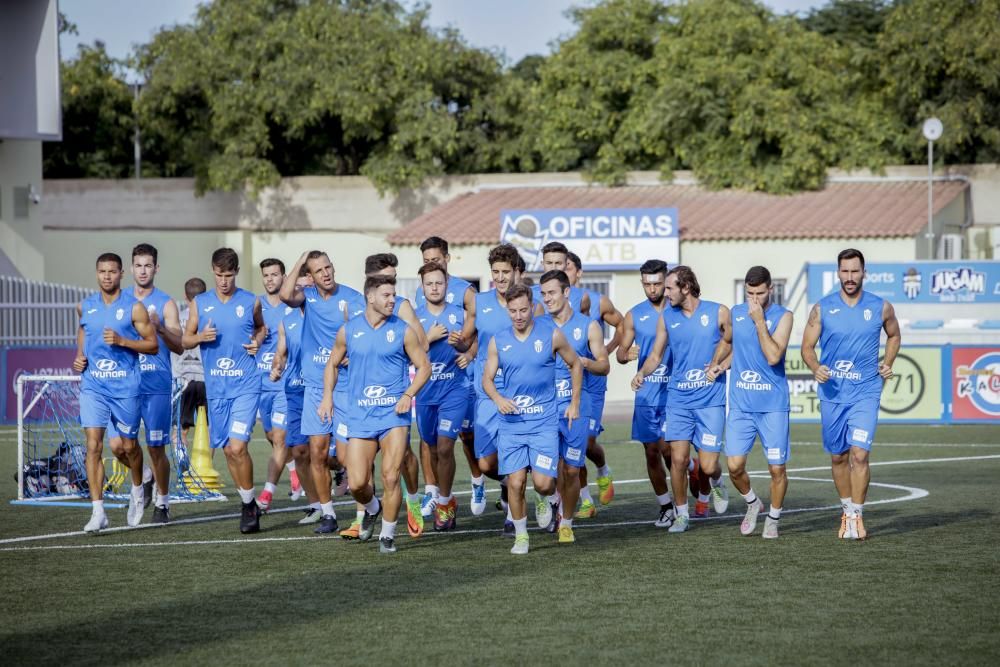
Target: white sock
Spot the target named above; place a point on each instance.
(388, 529)
(360, 516)
(97, 506)
(506, 507)
(270, 487)
(585, 494)
(664, 499)
(566, 522)
(291, 466)
(478, 481)
(691, 465)
(750, 497)
(716, 482)
(137, 491)
(509, 517)
(315, 506)
(413, 497)
(555, 498)
(444, 500)
(845, 504)
(774, 513)
(604, 471)
(682, 509)
(327, 509)
(521, 526)
(162, 500)
(372, 505)
(702, 497)
(147, 473)
(432, 490)
(246, 495)
(856, 509)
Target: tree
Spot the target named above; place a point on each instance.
(942, 57)
(258, 89)
(98, 124)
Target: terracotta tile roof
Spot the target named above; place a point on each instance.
(841, 210)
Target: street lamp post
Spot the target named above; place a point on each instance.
(932, 132)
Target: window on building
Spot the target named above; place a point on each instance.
(778, 285)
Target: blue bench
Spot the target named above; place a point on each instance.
(927, 324)
(989, 324)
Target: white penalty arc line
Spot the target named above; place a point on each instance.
(913, 493)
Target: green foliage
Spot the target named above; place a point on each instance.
(254, 90)
(97, 120)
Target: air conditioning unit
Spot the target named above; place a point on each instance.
(950, 246)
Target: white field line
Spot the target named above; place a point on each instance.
(913, 493)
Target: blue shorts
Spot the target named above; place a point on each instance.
(647, 421)
(537, 449)
(487, 427)
(376, 433)
(98, 410)
(155, 412)
(341, 433)
(311, 424)
(702, 427)
(442, 420)
(266, 407)
(847, 425)
(594, 423)
(231, 419)
(286, 415)
(376, 425)
(469, 420)
(742, 428)
(573, 441)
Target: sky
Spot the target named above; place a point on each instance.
(516, 27)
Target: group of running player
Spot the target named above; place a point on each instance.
(518, 373)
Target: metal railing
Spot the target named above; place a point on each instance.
(35, 313)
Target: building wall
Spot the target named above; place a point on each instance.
(21, 238)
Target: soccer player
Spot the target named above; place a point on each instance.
(187, 365)
(555, 257)
(328, 305)
(492, 317)
(847, 325)
(272, 274)
(459, 292)
(228, 325)
(601, 310)
(287, 409)
(381, 347)
(585, 336)
(524, 354)
(156, 378)
(758, 394)
(444, 400)
(640, 326)
(696, 407)
(114, 330)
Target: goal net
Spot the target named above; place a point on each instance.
(52, 449)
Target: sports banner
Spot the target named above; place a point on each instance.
(912, 394)
(604, 238)
(917, 282)
(975, 383)
(16, 361)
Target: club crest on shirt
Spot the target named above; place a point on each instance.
(768, 323)
(239, 311)
(577, 333)
(538, 346)
(868, 314)
(450, 298)
(288, 309)
(390, 336)
(704, 320)
(452, 318)
(342, 304)
(120, 313)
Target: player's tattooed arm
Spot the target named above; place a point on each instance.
(80, 362)
(259, 330)
(892, 341)
(722, 358)
(810, 337)
(626, 340)
(469, 327)
(169, 327)
(612, 317)
(599, 365)
(422, 370)
(330, 373)
(280, 354)
(562, 347)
